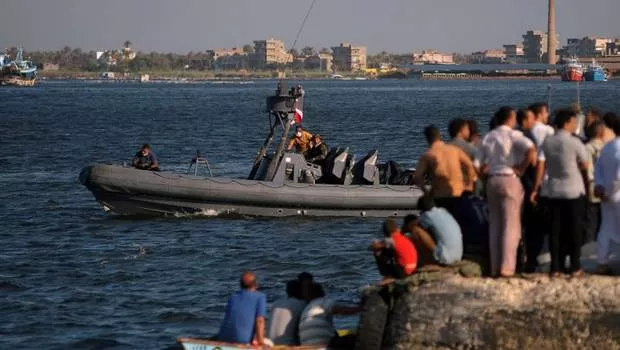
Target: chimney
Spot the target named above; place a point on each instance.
(551, 43)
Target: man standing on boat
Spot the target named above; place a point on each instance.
(145, 159)
(318, 151)
(244, 322)
(301, 141)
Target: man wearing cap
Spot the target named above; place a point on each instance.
(244, 322)
(301, 141)
(318, 151)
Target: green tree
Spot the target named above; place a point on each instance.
(249, 49)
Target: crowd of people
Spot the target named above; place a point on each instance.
(538, 183)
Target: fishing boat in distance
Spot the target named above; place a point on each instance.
(18, 72)
(280, 183)
(572, 70)
(595, 72)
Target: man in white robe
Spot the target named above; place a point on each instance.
(607, 181)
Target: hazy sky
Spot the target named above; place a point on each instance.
(391, 25)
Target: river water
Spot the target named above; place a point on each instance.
(72, 276)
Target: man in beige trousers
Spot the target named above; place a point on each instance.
(506, 154)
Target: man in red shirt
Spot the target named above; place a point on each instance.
(395, 255)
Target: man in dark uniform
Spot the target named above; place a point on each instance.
(318, 151)
(145, 159)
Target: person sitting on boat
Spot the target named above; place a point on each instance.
(395, 255)
(318, 151)
(316, 326)
(301, 140)
(244, 321)
(285, 315)
(145, 159)
(436, 235)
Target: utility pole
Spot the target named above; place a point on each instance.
(551, 43)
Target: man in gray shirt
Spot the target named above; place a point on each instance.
(565, 161)
(460, 133)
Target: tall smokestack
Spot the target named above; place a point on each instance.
(551, 44)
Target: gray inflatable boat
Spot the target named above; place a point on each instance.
(280, 183)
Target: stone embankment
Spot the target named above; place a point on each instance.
(483, 313)
(445, 310)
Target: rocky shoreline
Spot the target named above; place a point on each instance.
(485, 313)
(459, 309)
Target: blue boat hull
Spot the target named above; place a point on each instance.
(595, 76)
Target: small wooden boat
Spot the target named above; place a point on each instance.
(204, 344)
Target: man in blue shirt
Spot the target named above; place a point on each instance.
(436, 235)
(244, 321)
(145, 159)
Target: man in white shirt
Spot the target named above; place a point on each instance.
(285, 314)
(541, 128)
(607, 181)
(506, 154)
(316, 326)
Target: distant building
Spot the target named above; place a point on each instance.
(271, 52)
(586, 47)
(217, 53)
(513, 50)
(514, 53)
(491, 56)
(613, 48)
(592, 46)
(347, 57)
(321, 61)
(535, 46)
(432, 57)
(228, 59)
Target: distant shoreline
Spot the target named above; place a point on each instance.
(197, 76)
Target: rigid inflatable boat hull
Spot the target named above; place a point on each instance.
(130, 191)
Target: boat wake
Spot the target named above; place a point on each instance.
(202, 213)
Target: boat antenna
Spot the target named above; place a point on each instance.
(303, 23)
(301, 28)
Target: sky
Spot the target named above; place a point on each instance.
(398, 26)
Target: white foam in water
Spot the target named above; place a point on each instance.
(201, 213)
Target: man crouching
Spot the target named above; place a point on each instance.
(395, 255)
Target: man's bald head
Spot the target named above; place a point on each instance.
(248, 280)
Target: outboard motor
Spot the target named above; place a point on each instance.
(335, 165)
(366, 171)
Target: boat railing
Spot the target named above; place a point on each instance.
(196, 162)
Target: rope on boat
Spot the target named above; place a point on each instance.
(303, 23)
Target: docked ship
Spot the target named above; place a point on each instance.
(280, 183)
(595, 72)
(17, 72)
(572, 70)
